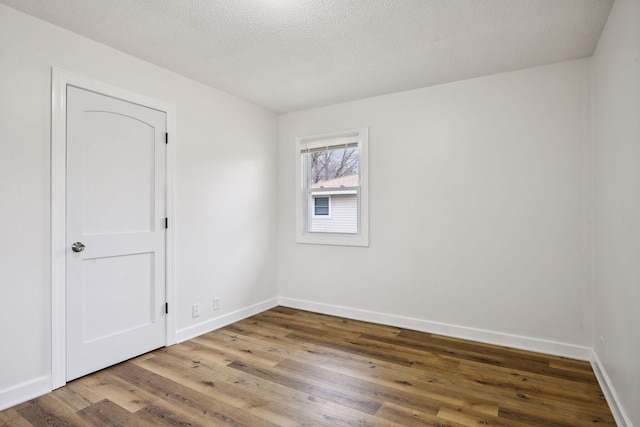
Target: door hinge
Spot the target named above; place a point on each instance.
(166, 223)
(166, 307)
(166, 137)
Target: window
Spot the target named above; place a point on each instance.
(321, 206)
(332, 199)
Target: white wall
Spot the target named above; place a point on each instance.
(616, 138)
(478, 206)
(225, 188)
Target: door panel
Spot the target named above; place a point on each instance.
(116, 208)
(108, 146)
(130, 275)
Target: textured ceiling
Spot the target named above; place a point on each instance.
(288, 55)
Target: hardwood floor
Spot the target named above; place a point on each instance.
(287, 367)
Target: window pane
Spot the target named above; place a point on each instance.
(335, 168)
(322, 211)
(322, 202)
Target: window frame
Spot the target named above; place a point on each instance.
(304, 200)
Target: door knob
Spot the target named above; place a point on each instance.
(77, 247)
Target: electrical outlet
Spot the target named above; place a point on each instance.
(195, 310)
(216, 303)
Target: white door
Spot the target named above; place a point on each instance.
(115, 231)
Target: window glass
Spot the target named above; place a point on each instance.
(329, 165)
(321, 206)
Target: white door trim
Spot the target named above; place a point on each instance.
(60, 80)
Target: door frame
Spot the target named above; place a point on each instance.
(60, 79)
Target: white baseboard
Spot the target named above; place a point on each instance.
(619, 414)
(463, 332)
(193, 331)
(22, 392)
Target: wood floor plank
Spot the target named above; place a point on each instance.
(164, 413)
(368, 389)
(108, 414)
(412, 417)
(307, 409)
(293, 323)
(249, 383)
(332, 323)
(551, 417)
(219, 341)
(211, 385)
(507, 358)
(572, 392)
(12, 418)
(216, 411)
(83, 387)
(315, 388)
(289, 367)
(468, 417)
(119, 392)
(46, 411)
(71, 400)
(339, 343)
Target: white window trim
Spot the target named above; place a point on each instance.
(313, 206)
(302, 205)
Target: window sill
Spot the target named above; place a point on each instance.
(333, 239)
